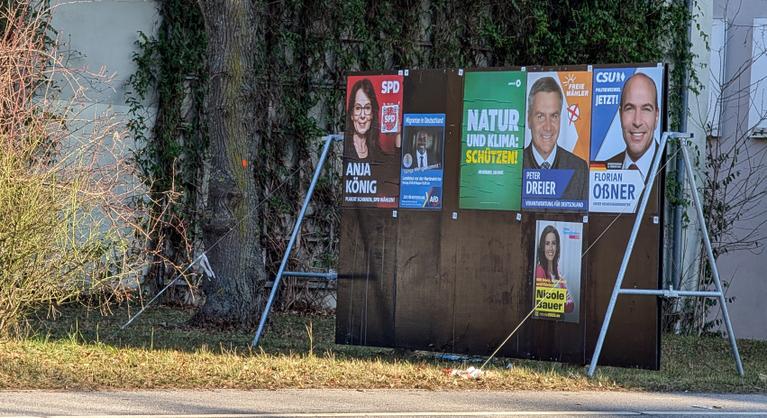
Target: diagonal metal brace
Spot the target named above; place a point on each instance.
(329, 139)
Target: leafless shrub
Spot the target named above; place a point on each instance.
(69, 224)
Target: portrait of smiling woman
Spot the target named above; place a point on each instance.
(547, 272)
(362, 122)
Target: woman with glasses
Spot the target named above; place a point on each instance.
(362, 122)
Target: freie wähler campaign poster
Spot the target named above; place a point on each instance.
(371, 150)
(492, 136)
(422, 168)
(625, 135)
(557, 270)
(555, 159)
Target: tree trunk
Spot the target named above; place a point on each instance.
(230, 229)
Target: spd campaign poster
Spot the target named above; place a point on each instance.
(625, 135)
(371, 141)
(557, 270)
(557, 135)
(492, 136)
(422, 168)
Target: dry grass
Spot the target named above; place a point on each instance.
(69, 365)
(82, 351)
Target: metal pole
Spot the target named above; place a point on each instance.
(711, 259)
(157, 296)
(676, 260)
(669, 293)
(328, 140)
(330, 276)
(627, 255)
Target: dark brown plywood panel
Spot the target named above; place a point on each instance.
(489, 283)
(432, 280)
(365, 313)
(546, 339)
(633, 337)
(419, 268)
(484, 250)
(423, 294)
(452, 236)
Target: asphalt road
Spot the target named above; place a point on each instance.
(330, 403)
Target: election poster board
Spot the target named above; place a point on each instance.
(430, 277)
(557, 270)
(625, 135)
(422, 168)
(492, 135)
(557, 136)
(371, 141)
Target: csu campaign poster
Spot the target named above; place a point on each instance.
(625, 135)
(491, 140)
(422, 161)
(557, 270)
(371, 141)
(556, 154)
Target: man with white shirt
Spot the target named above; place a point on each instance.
(424, 154)
(543, 118)
(639, 116)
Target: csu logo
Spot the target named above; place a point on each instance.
(610, 77)
(390, 86)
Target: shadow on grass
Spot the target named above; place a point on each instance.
(688, 363)
(166, 328)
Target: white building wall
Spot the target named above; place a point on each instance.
(96, 41)
(101, 36)
(744, 270)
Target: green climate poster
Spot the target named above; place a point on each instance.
(492, 137)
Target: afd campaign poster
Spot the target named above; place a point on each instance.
(491, 140)
(557, 270)
(555, 173)
(422, 168)
(372, 141)
(625, 135)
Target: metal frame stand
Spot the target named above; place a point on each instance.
(719, 293)
(329, 139)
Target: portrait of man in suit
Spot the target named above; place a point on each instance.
(426, 154)
(544, 104)
(639, 116)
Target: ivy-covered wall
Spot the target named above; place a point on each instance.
(309, 46)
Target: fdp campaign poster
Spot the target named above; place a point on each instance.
(491, 140)
(422, 168)
(557, 270)
(555, 163)
(625, 135)
(371, 140)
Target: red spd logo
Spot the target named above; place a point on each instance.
(389, 118)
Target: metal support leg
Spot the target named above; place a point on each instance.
(329, 276)
(329, 139)
(676, 260)
(629, 249)
(711, 259)
(719, 293)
